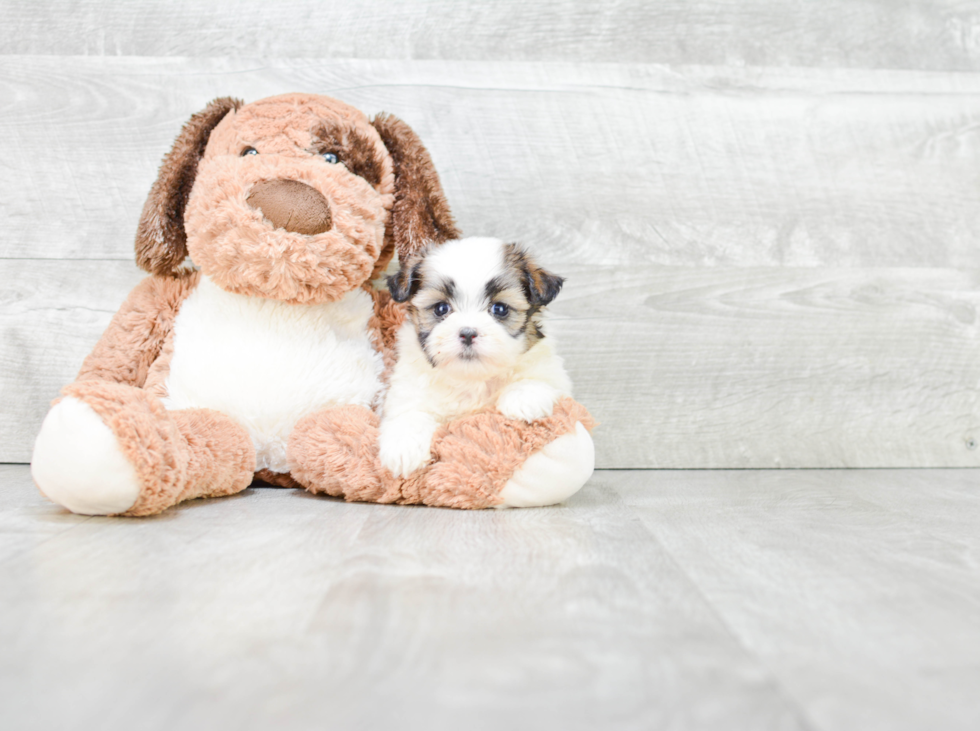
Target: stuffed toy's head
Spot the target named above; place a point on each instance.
(298, 198)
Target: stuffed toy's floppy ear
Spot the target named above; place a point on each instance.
(421, 214)
(161, 241)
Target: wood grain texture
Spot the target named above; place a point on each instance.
(278, 609)
(776, 367)
(51, 315)
(859, 590)
(918, 34)
(683, 367)
(821, 600)
(595, 163)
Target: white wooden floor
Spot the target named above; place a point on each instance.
(681, 600)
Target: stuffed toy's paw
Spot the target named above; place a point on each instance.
(555, 473)
(527, 400)
(78, 463)
(110, 449)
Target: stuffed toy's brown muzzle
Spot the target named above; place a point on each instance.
(298, 198)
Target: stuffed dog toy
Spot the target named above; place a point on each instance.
(267, 360)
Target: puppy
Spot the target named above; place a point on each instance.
(473, 340)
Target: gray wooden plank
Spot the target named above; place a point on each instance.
(601, 163)
(776, 367)
(25, 520)
(279, 609)
(922, 34)
(859, 589)
(715, 367)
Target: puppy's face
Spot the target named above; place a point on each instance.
(475, 303)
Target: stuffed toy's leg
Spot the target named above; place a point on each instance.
(479, 461)
(108, 449)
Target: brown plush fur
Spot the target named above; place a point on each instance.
(132, 344)
(161, 243)
(234, 245)
(178, 455)
(383, 194)
(388, 318)
(354, 146)
(421, 214)
(156, 379)
(472, 457)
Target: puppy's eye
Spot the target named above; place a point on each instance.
(499, 310)
(329, 157)
(249, 151)
(440, 309)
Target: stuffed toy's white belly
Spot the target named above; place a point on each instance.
(267, 363)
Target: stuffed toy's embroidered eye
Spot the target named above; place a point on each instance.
(440, 309)
(329, 157)
(249, 151)
(499, 310)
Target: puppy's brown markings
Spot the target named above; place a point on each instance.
(447, 288)
(407, 281)
(421, 214)
(494, 287)
(161, 241)
(404, 285)
(540, 288)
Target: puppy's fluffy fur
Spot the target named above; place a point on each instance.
(473, 340)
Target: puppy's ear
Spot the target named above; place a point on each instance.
(161, 241)
(540, 286)
(421, 214)
(404, 285)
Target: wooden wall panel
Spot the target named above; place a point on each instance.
(51, 315)
(942, 35)
(777, 367)
(606, 164)
(767, 211)
(683, 367)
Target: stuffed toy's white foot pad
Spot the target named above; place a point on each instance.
(77, 462)
(553, 474)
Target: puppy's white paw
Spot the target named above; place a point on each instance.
(527, 400)
(404, 446)
(78, 464)
(403, 458)
(553, 474)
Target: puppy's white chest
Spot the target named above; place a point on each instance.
(457, 399)
(267, 363)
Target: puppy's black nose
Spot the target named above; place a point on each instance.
(467, 335)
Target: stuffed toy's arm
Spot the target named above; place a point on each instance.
(478, 461)
(138, 331)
